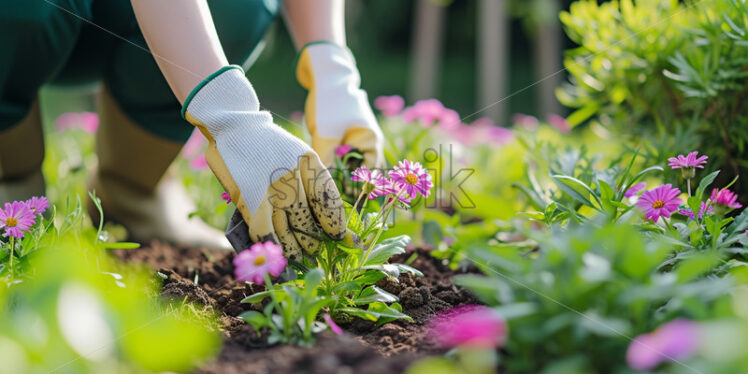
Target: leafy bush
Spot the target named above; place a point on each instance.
(665, 73)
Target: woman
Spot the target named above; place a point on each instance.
(277, 182)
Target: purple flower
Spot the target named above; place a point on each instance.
(427, 111)
(16, 219)
(342, 150)
(37, 204)
(412, 177)
(86, 121)
(226, 197)
(631, 192)
(449, 120)
(473, 325)
(560, 123)
(659, 202)
(262, 258)
(689, 161)
(525, 121)
(725, 198)
(689, 213)
(333, 326)
(676, 340)
(199, 163)
(390, 106)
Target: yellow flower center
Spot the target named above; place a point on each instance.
(259, 260)
(658, 204)
(411, 179)
(11, 222)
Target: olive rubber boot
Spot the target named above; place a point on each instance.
(21, 156)
(135, 188)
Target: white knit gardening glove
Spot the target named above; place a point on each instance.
(280, 187)
(337, 110)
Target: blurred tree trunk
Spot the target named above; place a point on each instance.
(493, 57)
(427, 42)
(547, 54)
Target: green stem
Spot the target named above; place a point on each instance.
(354, 206)
(12, 248)
(688, 184)
(381, 228)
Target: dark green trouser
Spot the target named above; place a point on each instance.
(50, 41)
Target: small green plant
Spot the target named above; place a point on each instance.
(342, 276)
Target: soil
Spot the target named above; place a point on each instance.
(206, 277)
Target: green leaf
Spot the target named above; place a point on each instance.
(372, 294)
(370, 277)
(704, 184)
(571, 186)
(347, 287)
(386, 249)
(120, 245)
(258, 297)
(376, 311)
(582, 114)
(254, 318)
(408, 269)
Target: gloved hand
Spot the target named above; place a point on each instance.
(276, 181)
(337, 111)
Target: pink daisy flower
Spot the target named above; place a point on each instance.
(659, 202)
(342, 150)
(378, 184)
(631, 192)
(252, 264)
(725, 197)
(226, 197)
(689, 161)
(473, 325)
(86, 121)
(194, 145)
(560, 123)
(427, 111)
(676, 340)
(16, 219)
(333, 326)
(525, 121)
(37, 205)
(390, 106)
(199, 163)
(412, 177)
(689, 213)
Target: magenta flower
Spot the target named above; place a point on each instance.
(37, 205)
(473, 325)
(726, 198)
(560, 123)
(86, 121)
(375, 183)
(427, 111)
(659, 202)
(194, 145)
(390, 106)
(342, 150)
(449, 120)
(676, 340)
(226, 197)
(252, 264)
(296, 116)
(689, 213)
(525, 121)
(411, 177)
(199, 163)
(333, 326)
(16, 219)
(634, 189)
(689, 161)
